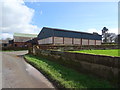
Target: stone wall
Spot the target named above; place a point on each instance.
(77, 47)
(106, 67)
(14, 48)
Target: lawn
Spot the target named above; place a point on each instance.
(112, 52)
(64, 76)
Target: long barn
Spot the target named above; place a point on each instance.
(67, 37)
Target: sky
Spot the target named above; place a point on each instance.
(30, 17)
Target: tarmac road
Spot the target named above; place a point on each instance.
(16, 73)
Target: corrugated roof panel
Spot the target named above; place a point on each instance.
(67, 34)
(45, 33)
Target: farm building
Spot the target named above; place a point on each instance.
(4, 43)
(34, 41)
(67, 37)
(20, 39)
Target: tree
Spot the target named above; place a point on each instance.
(8, 39)
(108, 37)
(117, 39)
(111, 37)
(104, 34)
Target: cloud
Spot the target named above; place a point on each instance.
(16, 17)
(6, 35)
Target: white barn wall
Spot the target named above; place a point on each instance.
(50, 40)
(91, 42)
(67, 40)
(45, 41)
(98, 42)
(39, 41)
(84, 41)
(77, 41)
(58, 40)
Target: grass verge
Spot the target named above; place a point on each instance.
(65, 77)
(112, 52)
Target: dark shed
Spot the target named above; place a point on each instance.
(52, 32)
(68, 37)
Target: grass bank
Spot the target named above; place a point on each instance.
(65, 77)
(112, 52)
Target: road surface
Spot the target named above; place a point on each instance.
(16, 73)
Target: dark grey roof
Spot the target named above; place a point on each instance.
(49, 32)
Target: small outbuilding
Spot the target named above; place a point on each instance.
(67, 37)
(4, 43)
(21, 39)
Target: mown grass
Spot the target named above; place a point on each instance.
(112, 52)
(68, 78)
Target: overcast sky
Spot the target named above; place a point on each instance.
(30, 17)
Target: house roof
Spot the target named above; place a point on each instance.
(25, 35)
(49, 32)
